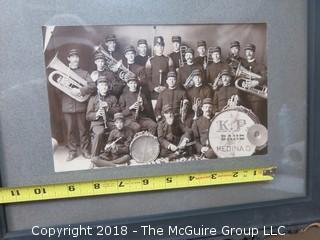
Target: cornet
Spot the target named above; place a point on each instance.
(182, 60)
(196, 103)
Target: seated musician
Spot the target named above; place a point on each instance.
(198, 92)
(172, 135)
(225, 93)
(200, 130)
(100, 111)
(133, 105)
(117, 148)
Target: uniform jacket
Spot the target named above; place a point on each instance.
(222, 95)
(141, 60)
(124, 143)
(200, 130)
(185, 71)
(234, 61)
(169, 134)
(175, 56)
(199, 92)
(214, 69)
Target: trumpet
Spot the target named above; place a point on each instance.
(65, 79)
(217, 82)
(244, 82)
(105, 110)
(196, 103)
(136, 115)
(189, 81)
(112, 62)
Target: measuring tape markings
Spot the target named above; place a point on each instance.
(139, 184)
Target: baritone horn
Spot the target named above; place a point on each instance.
(65, 79)
(244, 78)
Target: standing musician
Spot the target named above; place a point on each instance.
(141, 58)
(202, 58)
(198, 92)
(100, 111)
(157, 68)
(173, 96)
(234, 58)
(225, 92)
(117, 149)
(110, 46)
(134, 107)
(185, 71)
(172, 135)
(200, 130)
(175, 55)
(257, 104)
(217, 65)
(74, 112)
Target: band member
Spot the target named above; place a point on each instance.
(216, 66)
(110, 46)
(171, 135)
(100, 111)
(225, 92)
(198, 92)
(141, 58)
(200, 130)
(173, 95)
(117, 148)
(157, 68)
(74, 112)
(175, 55)
(257, 104)
(134, 107)
(185, 71)
(234, 58)
(102, 70)
(202, 58)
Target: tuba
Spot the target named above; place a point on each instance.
(111, 61)
(65, 79)
(243, 81)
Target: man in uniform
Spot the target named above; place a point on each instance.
(215, 68)
(257, 104)
(200, 130)
(225, 92)
(110, 46)
(74, 112)
(173, 96)
(134, 107)
(171, 135)
(142, 47)
(175, 55)
(201, 59)
(117, 148)
(234, 58)
(198, 92)
(185, 71)
(157, 68)
(100, 111)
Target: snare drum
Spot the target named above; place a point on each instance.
(228, 133)
(144, 147)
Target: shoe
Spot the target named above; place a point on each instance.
(71, 156)
(86, 155)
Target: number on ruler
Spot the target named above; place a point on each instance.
(213, 176)
(121, 184)
(169, 180)
(191, 178)
(96, 185)
(39, 191)
(15, 192)
(235, 174)
(145, 181)
(71, 188)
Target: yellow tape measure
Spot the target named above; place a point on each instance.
(139, 184)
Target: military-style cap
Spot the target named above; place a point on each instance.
(226, 72)
(102, 79)
(118, 116)
(132, 77)
(189, 50)
(142, 41)
(176, 39)
(99, 55)
(196, 72)
(235, 44)
(250, 46)
(207, 101)
(172, 74)
(110, 37)
(158, 40)
(130, 49)
(73, 52)
(217, 49)
(201, 43)
(167, 108)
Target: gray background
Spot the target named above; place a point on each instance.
(24, 120)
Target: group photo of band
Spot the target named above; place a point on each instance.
(161, 98)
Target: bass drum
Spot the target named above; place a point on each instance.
(144, 147)
(228, 133)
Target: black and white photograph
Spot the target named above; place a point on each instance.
(132, 95)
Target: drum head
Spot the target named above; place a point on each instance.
(258, 135)
(144, 148)
(228, 133)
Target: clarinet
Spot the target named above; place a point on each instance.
(104, 116)
(138, 108)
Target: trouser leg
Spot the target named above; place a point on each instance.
(97, 140)
(69, 119)
(83, 132)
